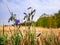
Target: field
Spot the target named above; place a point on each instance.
(48, 36)
(24, 28)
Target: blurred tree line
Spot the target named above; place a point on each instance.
(46, 20)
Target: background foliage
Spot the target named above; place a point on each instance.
(46, 20)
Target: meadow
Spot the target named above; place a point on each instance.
(45, 31)
(12, 35)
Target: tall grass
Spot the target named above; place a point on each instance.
(3, 37)
(28, 37)
(17, 37)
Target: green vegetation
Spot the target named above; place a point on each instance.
(46, 20)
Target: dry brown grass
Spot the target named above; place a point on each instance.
(38, 29)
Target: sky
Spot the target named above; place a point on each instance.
(20, 6)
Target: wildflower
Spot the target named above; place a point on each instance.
(17, 21)
(12, 17)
